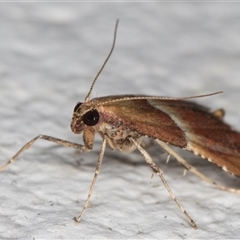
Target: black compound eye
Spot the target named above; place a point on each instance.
(77, 106)
(91, 118)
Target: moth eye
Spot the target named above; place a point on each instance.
(77, 106)
(91, 118)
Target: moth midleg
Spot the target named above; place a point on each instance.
(44, 137)
(192, 169)
(159, 172)
(97, 170)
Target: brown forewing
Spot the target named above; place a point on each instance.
(181, 123)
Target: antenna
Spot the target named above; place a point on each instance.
(131, 98)
(109, 55)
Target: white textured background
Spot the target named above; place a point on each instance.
(49, 54)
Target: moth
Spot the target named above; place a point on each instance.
(123, 121)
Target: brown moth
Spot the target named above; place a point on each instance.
(124, 120)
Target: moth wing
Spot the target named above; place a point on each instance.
(181, 123)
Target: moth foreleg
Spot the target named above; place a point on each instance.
(44, 137)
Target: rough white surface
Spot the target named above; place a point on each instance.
(50, 52)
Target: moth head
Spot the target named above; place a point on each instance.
(84, 114)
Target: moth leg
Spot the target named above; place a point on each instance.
(192, 169)
(44, 137)
(97, 170)
(159, 172)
